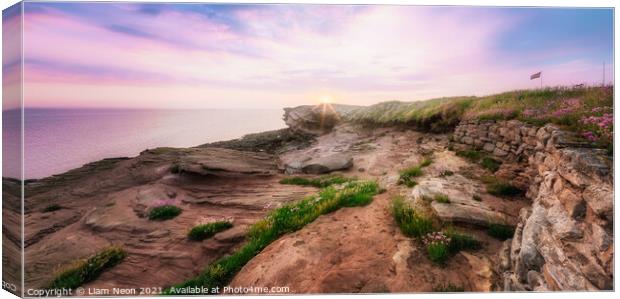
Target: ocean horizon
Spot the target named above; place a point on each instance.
(60, 139)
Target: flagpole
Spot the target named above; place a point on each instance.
(540, 80)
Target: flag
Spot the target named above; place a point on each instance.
(534, 76)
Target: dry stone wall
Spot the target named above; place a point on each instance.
(564, 240)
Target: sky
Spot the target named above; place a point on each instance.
(178, 56)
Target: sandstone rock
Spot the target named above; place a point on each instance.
(600, 199)
(500, 153)
(489, 147)
(462, 208)
(226, 162)
(316, 120)
(467, 140)
(327, 164)
(504, 255)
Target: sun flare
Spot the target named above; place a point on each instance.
(326, 99)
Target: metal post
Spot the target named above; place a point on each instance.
(540, 80)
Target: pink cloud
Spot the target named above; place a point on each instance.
(280, 56)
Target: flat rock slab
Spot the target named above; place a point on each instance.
(227, 162)
(462, 207)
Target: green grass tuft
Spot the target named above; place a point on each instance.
(471, 155)
(438, 253)
(411, 223)
(426, 162)
(449, 288)
(441, 198)
(208, 230)
(407, 174)
(320, 182)
(86, 270)
(490, 164)
(289, 218)
(477, 197)
(165, 212)
(500, 231)
(460, 241)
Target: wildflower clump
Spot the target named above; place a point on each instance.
(437, 247)
(599, 127)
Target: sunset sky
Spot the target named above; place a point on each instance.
(271, 56)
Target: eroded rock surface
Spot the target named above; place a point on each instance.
(562, 241)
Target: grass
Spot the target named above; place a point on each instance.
(320, 182)
(411, 223)
(500, 231)
(441, 198)
(286, 219)
(555, 105)
(407, 174)
(471, 155)
(450, 288)
(51, 208)
(86, 270)
(426, 162)
(164, 212)
(460, 241)
(476, 197)
(499, 187)
(490, 164)
(208, 230)
(438, 253)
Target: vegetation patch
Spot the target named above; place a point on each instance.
(460, 241)
(476, 197)
(407, 174)
(441, 198)
(480, 158)
(164, 212)
(86, 270)
(499, 187)
(490, 164)
(320, 182)
(289, 218)
(500, 231)
(586, 110)
(411, 223)
(471, 155)
(208, 230)
(437, 247)
(449, 288)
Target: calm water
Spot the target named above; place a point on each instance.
(57, 140)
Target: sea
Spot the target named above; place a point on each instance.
(58, 140)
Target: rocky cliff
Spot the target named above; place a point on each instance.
(564, 240)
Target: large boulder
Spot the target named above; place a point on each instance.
(319, 165)
(315, 120)
(308, 119)
(328, 164)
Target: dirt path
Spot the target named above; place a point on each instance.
(359, 250)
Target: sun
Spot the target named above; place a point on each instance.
(326, 99)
